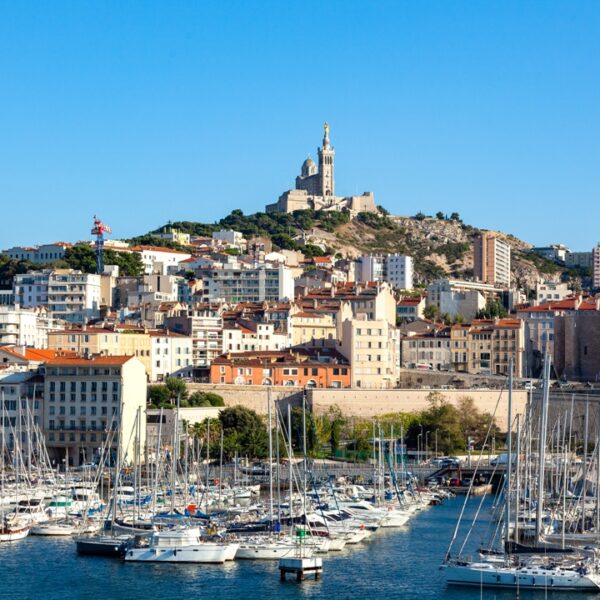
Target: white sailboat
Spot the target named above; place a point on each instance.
(538, 571)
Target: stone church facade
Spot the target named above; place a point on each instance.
(315, 187)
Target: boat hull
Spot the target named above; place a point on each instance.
(101, 546)
(265, 552)
(13, 534)
(201, 553)
(525, 578)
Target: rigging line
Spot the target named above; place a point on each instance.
(483, 497)
(462, 510)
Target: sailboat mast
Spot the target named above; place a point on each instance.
(542, 449)
(517, 480)
(270, 459)
(291, 455)
(509, 449)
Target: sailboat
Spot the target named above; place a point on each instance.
(570, 572)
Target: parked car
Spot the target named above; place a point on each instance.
(446, 461)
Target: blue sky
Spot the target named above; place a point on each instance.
(146, 111)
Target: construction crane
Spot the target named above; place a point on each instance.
(99, 230)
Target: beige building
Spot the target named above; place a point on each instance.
(85, 341)
(204, 324)
(313, 329)
(90, 341)
(492, 260)
(485, 346)
(90, 403)
(374, 301)
(370, 346)
(429, 351)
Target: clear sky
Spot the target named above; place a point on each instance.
(145, 112)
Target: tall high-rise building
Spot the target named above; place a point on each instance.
(596, 266)
(492, 260)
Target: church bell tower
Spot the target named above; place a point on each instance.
(326, 155)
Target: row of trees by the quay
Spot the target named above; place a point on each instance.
(443, 427)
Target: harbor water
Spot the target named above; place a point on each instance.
(393, 564)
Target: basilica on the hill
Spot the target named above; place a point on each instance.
(315, 187)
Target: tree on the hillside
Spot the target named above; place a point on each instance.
(81, 257)
(494, 308)
(475, 424)
(10, 267)
(443, 417)
(177, 389)
(430, 312)
(205, 399)
(158, 396)
(336, 424)
(244, 432)
(298, 432)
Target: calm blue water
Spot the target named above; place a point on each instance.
(393, 564)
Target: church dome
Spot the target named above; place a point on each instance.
(308, 167)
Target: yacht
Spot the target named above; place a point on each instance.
(181, 545)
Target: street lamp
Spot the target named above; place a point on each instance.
(427, 444)
(419, 436)
(436, 452)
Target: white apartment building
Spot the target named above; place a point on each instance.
(371, 348)
(457, 297)
(26, 326)
(252, 336)
(31, 289)
(160, 260)
(74, 296)
(551, 291)
(395, 269)
(230, 237)
(38, 254)
(171, 355)
(21, 396)
(69, 295)
(89, 401)
(234, 282)
(579, 259)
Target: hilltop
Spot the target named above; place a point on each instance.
(441, 245)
